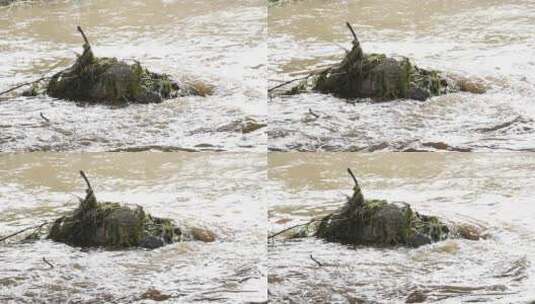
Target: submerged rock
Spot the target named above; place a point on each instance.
(109, 80)
(114, 226)
(380, 223)
(381, 78)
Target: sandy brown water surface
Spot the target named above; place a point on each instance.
(218, 42)
(491, 190)
(488, 40)
(217, 191)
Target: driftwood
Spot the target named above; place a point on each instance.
(48, 263)
(25, 84)
(292, 227)
(312, 113)
(24, 230)
(316, 261)
(44, 117)
(44, 77)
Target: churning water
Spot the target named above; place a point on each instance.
(215, 191)
(491, 190)
(218, 42)
(489, 40)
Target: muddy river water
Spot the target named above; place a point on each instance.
(494, 191)
(215, 191)
(218, 42)
(490, 40)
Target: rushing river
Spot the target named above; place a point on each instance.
(218, 42)
(494, 191)
(489, 40)
(216, 191)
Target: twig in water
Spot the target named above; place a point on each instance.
(24, 84)
(277, 80)
(48, 263)
(288, 82)
(317, 262)
(43, 77)
(312, 113)
(292, 227)
(44, 117)
(23, 230)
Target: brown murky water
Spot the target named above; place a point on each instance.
(218, 42)
(492, 40)
(216, 191)
(494, 190)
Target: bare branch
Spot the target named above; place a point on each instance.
(353, 176)
(83, 35)
(44, 117)
(352, 31)
(86, 180)
(23, 230)
(317, 262)
(48, 263)
(24, 84)
(292, 227)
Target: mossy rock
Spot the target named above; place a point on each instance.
(380, 78)
(380, 223)
(108, 80)
(111, 225)
(114, 226)
(112, 81)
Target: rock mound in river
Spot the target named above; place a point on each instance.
(113, 226)
(379, 223)
(109, 80)
(381, 78)
(383, 224)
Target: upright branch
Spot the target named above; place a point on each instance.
(83, 36)
(352, 32)
(353, 177)
(82, 173)
(87, 57)
(90, 200)
(356, 53)
(357, 199)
